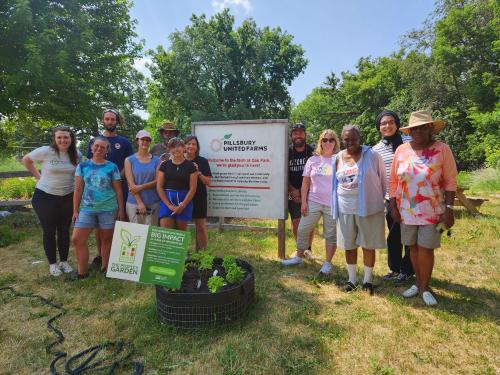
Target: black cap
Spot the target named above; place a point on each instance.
(298, 126)
(387, 113)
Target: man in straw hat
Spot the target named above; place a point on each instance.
(166, 133)
(422, 191)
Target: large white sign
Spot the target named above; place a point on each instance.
(248, 160)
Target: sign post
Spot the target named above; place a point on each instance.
(249, 164)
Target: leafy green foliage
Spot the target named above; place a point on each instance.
(215, 283)
(450, 68)
(203, 260)
(228, 261)
(17, 188)
(235, 274)
(215, 72)
(63, 61)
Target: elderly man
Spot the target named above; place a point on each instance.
(166, 132)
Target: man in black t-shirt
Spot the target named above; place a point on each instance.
(298, 153)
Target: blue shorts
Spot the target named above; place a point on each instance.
(102, 219)
(175, 197)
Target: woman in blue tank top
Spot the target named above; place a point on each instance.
(140, 170)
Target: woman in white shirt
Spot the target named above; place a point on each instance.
(53, 197)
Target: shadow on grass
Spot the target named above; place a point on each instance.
(467, 302)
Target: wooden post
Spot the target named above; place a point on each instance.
(281, 239)
(221, 223)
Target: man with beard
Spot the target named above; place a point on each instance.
(298, 153)
(121, 148)
(165, 134)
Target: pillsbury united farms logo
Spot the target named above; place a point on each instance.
(227, 144)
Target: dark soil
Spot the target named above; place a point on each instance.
(192, 275)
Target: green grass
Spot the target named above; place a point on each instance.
(10, 164)
(482, 181)
(17, 188)
(298, 324)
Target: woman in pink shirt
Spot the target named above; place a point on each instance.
(422, 191)
(317, 200)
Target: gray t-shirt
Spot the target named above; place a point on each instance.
(58, 174)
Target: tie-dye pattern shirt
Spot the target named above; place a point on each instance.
(98, 192)
(419, 179)
(319, 170)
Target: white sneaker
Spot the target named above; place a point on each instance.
(65, 267)
(292, 261)
(429, 298)
(411, 292)
(326, 269)
(54, 270)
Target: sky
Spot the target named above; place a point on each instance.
(335, 34)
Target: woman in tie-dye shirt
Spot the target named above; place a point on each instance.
(422, 191)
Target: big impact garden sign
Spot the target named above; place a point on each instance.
(248, 160)
(148, 254)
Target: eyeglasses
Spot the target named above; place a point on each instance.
(390, 122)
(331, 140)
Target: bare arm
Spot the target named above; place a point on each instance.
(160, 177)
(30, 166)
(77, 196)
(117, 187)
(193, 180)
(304, 191)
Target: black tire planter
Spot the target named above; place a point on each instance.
(194, 310)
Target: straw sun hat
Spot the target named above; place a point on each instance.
(421, 118)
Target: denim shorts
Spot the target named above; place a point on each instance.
(102, 219)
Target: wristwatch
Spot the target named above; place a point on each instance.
(449, 206)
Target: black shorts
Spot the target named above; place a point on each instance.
(200, 207)
(294, 209)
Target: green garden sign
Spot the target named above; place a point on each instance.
(148, 254)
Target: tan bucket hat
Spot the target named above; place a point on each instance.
(168, 126)
(419, 118)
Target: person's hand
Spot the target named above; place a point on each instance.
(448, 218)
(304, 209)
(134, 189)
(75, 217)
(141, 208)
(178, 209)
(295, 195)
(121, 215)
(395, 214)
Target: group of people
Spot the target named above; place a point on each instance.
(164, 185)
(408, 180)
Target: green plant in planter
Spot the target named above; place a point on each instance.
(228, 261)
(215, 283)
(234, 274)
(206, 262)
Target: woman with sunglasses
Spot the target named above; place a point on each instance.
(143, 202)
(200, 197)
(176, 185)
(316, 201)
(97, 203)
(53, 197)
(358, 204)
(422, 191)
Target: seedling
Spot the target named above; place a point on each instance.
(215, 283)
(234, 274)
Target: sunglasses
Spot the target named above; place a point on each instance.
(331, 140)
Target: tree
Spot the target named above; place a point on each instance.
(64, 61)
(213, 72)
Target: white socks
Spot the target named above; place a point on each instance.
(368, 275)
(351, 271)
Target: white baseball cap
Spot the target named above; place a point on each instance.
(143, 134)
